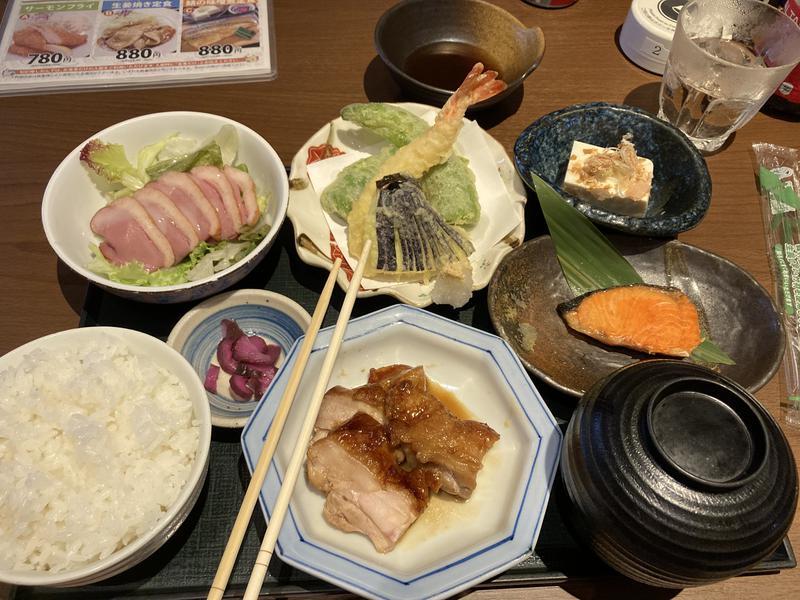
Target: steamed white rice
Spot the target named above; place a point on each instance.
(96, 444)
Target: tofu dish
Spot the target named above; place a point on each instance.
(381, 450)
(614, 179)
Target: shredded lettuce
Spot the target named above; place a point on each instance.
(172, 153)
(210, 154)
(149, 154)
(227, 139)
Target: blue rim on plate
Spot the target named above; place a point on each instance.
(257, 312)
(681, 191)
(513, 487)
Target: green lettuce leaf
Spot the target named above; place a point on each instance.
(210, 154)
(110, 162)
(171, 153)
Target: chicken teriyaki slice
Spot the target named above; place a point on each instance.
(366, 491)
(447, 447)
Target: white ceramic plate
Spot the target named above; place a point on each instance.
(312, 234)
(276, 318)
(453, 545)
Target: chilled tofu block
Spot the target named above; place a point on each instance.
(614, 179)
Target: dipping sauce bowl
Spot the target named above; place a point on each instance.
(430, 46)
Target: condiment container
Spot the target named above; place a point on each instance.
(676, 476)
(646, 34)
(457, 33)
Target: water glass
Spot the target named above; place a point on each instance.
(726, 60)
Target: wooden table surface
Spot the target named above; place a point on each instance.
(326, 59)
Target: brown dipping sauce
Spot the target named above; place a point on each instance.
(446, 64)
(449, 400)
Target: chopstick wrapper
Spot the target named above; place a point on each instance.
(778, 173)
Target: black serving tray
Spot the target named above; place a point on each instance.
(184, 567)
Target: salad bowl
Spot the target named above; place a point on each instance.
(74, 194)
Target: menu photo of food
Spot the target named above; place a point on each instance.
(52, 36)
(138, 33)
(219, 27)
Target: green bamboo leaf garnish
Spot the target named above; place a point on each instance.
(708, 352)
(590, 262)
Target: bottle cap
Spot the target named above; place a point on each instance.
(646, 35)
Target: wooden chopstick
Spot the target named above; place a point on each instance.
(295, 464)
(268, 449)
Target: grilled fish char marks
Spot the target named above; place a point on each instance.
(241, 30)
(648, 318)
(378, 470)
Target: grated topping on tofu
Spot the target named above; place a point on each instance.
(615, 178)
(620, 162)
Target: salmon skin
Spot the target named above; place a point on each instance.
(648, 318)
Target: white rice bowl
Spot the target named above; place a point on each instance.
(104, 439)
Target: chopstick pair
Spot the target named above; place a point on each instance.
(276, 428)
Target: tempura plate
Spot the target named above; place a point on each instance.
(313, 236)
(453, 545)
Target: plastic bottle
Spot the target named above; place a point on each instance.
(786, 98)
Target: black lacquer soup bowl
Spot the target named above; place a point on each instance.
(676, 476)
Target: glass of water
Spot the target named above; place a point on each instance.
(726, 60)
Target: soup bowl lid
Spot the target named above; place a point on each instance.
(677, 475)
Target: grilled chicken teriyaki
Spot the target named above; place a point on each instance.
(380, 450)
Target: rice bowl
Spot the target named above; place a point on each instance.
(94, 480)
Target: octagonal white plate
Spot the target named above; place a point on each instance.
(313, 235)
(453, 545)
